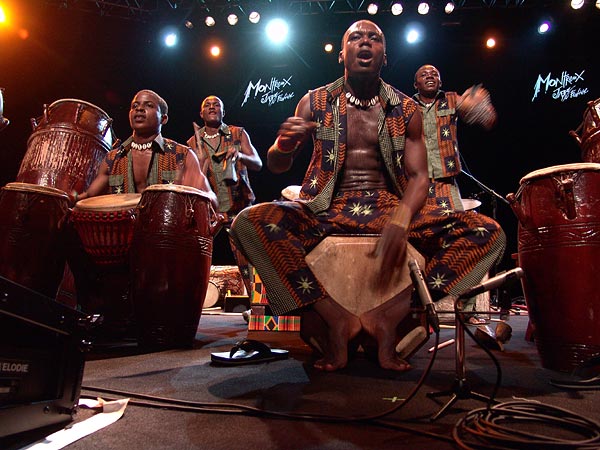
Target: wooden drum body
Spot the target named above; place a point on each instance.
(559, 250)
(102, 230)
(589, 137)
(31, 249)
(171, 256)
(67, 146)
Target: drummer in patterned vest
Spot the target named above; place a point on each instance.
(226, 154)
(368, 174)
(146, 157)
(441, 111)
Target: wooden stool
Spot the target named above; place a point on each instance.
(344, 267)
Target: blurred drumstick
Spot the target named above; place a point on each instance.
(442, 345)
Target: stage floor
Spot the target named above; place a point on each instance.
(289, 405)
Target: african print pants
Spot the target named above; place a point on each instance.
(459, 248)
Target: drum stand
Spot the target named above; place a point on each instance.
(460, 389)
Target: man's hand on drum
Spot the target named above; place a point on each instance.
(390, 252)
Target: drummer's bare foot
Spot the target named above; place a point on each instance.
(380, 323)
(342, 327)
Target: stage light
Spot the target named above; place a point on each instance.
(576, 4)
(490, 43)
(413, 36)
(544, 27)
(397, 8)
(372, 8)
(170, 39)
(423, 8)
(277, 30)
(328, 47)
(189, 25)
(232, 19)
(254, 17)
(215, 51)
(2, 15)
(449, 8)
(209, 21)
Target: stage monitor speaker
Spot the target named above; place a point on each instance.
(42, 345)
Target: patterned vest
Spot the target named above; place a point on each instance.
(328, 109)
(165, 165)
(446, 118)
(235, 196)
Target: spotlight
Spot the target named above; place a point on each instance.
(449, 8)
(544, 27)
(277, 30)
(254, 17)
(170, 39)
(372, 8)
(328, 47)
(215, 50)
(189, 25)
(232, 19)
(397, 8)
(209, 21)
(490, 43)
(576, 4)
(423, 8)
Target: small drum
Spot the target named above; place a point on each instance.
(223, 280)
(31, 248)
(589, 141)
(170, 260)
(67, 146)
(105, 226)
(559, 247)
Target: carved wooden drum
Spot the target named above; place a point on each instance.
(31, 247)
(589, 129)
(171, 255)
(67, 145)
(559, 249)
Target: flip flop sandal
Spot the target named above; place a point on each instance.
(248, 351)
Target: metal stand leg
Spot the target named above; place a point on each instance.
(460, 389)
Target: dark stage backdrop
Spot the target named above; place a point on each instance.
(540, 85)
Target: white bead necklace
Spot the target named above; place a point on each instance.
(211, 136)
(363, 104)
(141, 147)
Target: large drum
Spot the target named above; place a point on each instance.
(171, 256)
(67, 146)
(31, 247)
(105, 226)
(99, 259)
(589, 129)
(559, 250)
(223, 280)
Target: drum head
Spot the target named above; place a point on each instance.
(291, 192)
(212, 295)
(110, 202)
(548, 171)
(470, 203)
(179, 188)
(35, 188)
(79, 102)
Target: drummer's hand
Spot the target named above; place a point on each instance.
(293, 132)
(390, 254)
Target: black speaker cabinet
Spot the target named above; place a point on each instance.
(42, 344)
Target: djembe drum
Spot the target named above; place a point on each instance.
(100, 260)
(171, 256)
(67, 146)
(559, 246)
(223, 280)
(31, 249)
(589, 140)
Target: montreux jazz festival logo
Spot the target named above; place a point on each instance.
(563, 87)
(274, 91)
